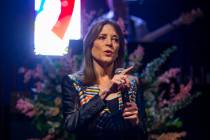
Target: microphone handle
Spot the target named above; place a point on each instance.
(126, 96)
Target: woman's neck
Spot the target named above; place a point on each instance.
(102, 72)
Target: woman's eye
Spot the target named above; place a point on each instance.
(101, 37)
(116, 39)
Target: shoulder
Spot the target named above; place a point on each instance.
(71, 84)
(73, 78)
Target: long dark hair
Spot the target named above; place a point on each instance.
(93, 32)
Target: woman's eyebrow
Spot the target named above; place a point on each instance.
(103, 34)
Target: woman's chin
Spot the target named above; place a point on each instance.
(107, 62)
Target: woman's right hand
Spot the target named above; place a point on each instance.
(119, 82)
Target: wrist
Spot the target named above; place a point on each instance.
(135, 122)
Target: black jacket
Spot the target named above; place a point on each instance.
(82, 120)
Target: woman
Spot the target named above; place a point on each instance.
(102, 101)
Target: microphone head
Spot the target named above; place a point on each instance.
(118, 70)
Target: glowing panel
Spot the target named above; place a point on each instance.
(56, 22)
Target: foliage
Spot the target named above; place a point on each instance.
(164, 94)
(44, 102)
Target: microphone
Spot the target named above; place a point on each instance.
(115, 87)
(125, 95)
(127, 70)
(118, 70)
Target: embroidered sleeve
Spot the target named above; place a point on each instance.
(77, 117)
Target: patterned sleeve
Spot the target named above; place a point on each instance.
(76, 117)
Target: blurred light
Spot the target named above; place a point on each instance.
(55, 24)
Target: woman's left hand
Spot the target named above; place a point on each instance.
(131, 113)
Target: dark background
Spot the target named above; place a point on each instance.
(193, 57)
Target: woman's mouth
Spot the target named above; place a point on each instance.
(108, 53)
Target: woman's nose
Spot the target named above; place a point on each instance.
(109, 41)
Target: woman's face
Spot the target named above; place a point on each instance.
(105, 47)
